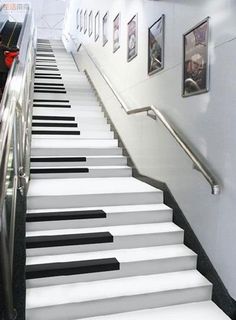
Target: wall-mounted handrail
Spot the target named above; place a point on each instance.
(197, 163)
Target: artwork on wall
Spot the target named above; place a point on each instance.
(77, 19)
(132, 47)
(97, 26)
(90, 23)
(85, 21)
(116, 33)
(105, 29)
(195, 59)
(81, 20)
(156, 46)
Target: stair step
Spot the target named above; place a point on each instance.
(65, 215)
(50, 91)
(102, 297)
(115, 215)
(80, 172)
(55, 132)
(40, 105)
(54, 124)
(74, 193)
(55, 118)
(71, 268)
(125, 236)
(48, 241)
(59, 133)
(206, 310)
(133, 262)
(74, 147)
(51, 100)
(78, 161)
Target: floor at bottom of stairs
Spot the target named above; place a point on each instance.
(206, 310)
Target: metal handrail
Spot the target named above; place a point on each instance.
(11, 116)
(197, 163)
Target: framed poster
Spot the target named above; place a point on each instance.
(132, 47)
(97, 26)
(85, 21)
(156, 46)
(196, 60)
(116, 33)
(81, 20)
(105, 29)
(77, 19)
(90, 23)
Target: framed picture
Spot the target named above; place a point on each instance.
(85, 21)
(97, 26)
(196, 60)
(156, 46)
(90, 23)
(77, 19)
(105, 29)
(132, 47)
(81, 20)
(116, 33)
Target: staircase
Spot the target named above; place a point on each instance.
(101, 244)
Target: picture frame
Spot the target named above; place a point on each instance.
(97, 26)
(156, 35)
(105, 29)
(85, 21)
(116, 33)
(90, 23)
(77, 19)
(132, 38)
(196, 60)
(81, 20)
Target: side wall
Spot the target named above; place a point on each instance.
(207, 120)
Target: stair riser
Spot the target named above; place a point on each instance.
(93, 173)
(76, 151)
(76, 201)
(89, 162)
(112, 219)
(120, 242)
(120, 304)
(126, 270)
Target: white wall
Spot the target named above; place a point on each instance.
(207, 120)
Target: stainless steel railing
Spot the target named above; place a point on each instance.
(14, 145)
(198, 162)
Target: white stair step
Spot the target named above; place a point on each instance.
(125, 236)
(79, 300)
(75, 147)
(93, 172)
(70, 133)
(52, 111)
(88, 161)
(205, 310)
(115, 215)
(65, 193)
(133, 262)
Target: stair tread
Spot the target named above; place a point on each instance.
(39, 187)
(112, 209)
(89, 167)
(123, 230)
(123, 255)
(112, 288)
(206, 310)
(73, 143)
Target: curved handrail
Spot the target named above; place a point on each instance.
(197, 163)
